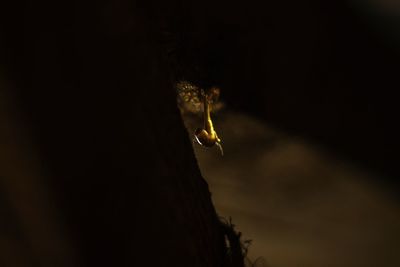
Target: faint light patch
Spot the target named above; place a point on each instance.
(298, 204)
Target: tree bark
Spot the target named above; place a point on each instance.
(96, 166)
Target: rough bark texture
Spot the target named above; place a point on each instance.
(96, 166)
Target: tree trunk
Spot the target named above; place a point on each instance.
(96, 166)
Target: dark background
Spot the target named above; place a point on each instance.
(94, 153)
(327, 71)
